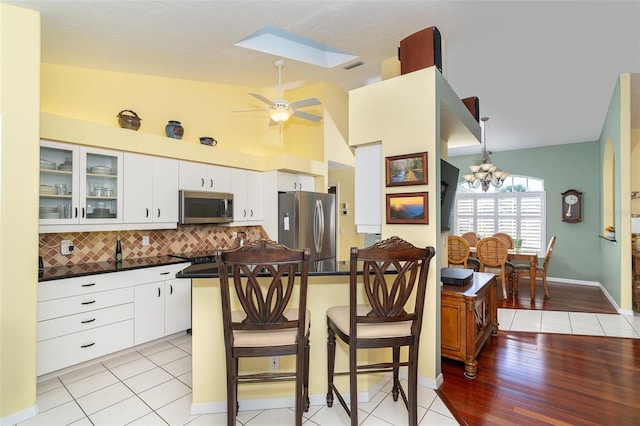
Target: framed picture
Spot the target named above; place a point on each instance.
(408, 208)
(408, 169)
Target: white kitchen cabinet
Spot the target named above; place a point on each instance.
(248, 196)
(150, 189)
(93, 181)
(83, 318)
(295, 182)
(368, 188)
(204, 177)
(162, 303)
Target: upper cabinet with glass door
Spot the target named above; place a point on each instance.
(79, 186)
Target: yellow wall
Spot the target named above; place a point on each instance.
(19, 153)
(401, 113)
(346, 229)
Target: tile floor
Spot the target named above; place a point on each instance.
(152, 385)
(611, 325)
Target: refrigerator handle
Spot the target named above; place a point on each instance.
(318, 225)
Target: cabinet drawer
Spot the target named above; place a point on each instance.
(88, 302)
(85, 321)
(157, 273)
(61, 352)
(56, 289)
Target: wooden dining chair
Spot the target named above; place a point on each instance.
(264, 275)
(393, 273)
(492, 254)
(522, 270)
(458, 253)
(471, 237)
(505, 238)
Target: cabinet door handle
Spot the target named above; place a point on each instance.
(210, 183)
(88, 321)
(75, 214)
(202, 184)
(170, 289)
(88, 285)
(83, 212)
(245, 213)
(158, 212)
(147, 213)
(164, 273)
(300, 185)
(295, 185)
(251, 213)
(88, 303)
(158, 291)
(88, 345)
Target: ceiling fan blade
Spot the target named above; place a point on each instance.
(307, 116)
(262, 98)
(305, 103)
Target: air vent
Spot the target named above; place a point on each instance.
(353, 65)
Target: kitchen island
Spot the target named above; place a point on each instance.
(327, 287)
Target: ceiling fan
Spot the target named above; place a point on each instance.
(280, 110)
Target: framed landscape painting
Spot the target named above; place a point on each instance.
(409, 208)
(408, 169)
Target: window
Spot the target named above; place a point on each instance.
(517, 208)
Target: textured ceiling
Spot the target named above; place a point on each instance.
(544, 70)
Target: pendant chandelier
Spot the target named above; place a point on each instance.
(486, 173)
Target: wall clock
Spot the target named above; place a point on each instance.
(572, 206)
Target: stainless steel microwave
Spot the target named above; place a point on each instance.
(205, 207)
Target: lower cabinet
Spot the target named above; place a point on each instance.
(83, 318)
(162, 303)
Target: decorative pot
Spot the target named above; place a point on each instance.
(611, 235)
(174, 129)
(207, 140)
(127, 121)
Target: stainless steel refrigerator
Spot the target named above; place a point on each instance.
(308, 219)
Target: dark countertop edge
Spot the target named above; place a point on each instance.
(52, 273)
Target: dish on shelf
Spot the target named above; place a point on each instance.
(106, 215)
(46, 164)
(50, 215)
(101, 170)
(65, 167)
(47, 190)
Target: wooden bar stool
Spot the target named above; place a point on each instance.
(270, 323)
(393, 272)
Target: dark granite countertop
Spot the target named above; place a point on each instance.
(316, 269)
(82, 269)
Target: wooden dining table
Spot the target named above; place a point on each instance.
(523, 254)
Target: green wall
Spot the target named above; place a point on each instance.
(562, 167)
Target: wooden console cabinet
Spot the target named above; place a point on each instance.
(469, 315)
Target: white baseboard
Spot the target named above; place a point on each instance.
(20, 416)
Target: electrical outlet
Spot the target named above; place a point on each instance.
(145, 240)
(234, 234)
(66, 247)
(274, 362)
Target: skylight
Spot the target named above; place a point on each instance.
(273, 40)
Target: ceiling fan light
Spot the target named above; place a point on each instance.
(280, 115)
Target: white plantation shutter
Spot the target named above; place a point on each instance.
(519, 214)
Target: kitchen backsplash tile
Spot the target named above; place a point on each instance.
(101, 246)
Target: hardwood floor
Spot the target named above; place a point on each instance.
(549, 379)
(564, 297)
(537, 379)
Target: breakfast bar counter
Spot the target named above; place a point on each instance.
(326, 288)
